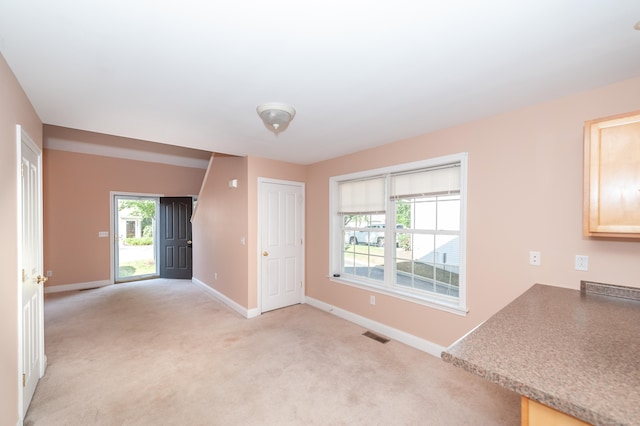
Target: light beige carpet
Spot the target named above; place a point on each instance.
(164, 352)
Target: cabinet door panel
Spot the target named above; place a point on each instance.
(612, 177)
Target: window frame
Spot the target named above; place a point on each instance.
(336, 241)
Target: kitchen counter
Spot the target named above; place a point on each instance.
(575, 351)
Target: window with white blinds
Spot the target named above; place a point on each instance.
(401, 231)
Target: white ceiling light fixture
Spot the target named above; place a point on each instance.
(276, 116)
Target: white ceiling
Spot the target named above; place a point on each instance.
(359, 73)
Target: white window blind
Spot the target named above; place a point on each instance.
(362, 196)
(436, 181)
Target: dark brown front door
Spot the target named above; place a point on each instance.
(175, 237)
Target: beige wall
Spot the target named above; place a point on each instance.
(219, 222)
(15, 109)
(524, 193)
(77, 206)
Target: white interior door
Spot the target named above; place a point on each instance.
(281, 215)
(32, 321)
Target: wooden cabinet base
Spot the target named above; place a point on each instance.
(536, 414)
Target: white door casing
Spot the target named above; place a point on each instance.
(32, 359)
(281, 222)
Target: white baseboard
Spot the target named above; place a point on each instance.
(247, 313)
(390, 332)
(77, 286)
(252, 313)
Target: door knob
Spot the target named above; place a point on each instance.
(265, 253)
(41, 279)
(189, 242)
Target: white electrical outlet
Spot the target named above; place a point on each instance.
(534, 258)
(49, 273)
(372, 300)
(215, 275)
(582, 263)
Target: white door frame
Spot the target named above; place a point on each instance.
(23, 137)
(261, 181)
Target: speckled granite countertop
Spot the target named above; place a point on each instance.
(575, 351)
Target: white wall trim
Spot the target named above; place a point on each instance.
(390, 332)
(247, 313)
(77, 286)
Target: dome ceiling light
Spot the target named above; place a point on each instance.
(276, 116)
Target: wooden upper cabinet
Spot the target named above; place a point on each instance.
(612, 176)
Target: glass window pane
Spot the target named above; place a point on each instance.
(404, 273)
(425, 214)
(363, 241)
(404, 244)
(365, 261)
(404, 213)
(424, 279)
(448, 264)
(349, 237)
(449, 214)
(423, 247)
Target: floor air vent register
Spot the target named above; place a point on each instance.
(375, 337)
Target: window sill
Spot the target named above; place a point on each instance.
(430, 302)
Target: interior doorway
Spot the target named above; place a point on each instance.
(135, 237)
